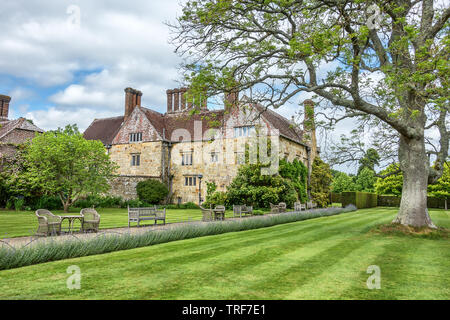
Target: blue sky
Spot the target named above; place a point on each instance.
(68, 61)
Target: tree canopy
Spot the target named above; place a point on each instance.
(384, 63)
(64, 164)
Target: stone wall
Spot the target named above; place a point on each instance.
(125, 186)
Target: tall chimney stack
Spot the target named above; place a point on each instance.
(132, 99)
(231, 99)
(169, 101)
(4, 107)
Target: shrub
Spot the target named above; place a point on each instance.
(152, 191)
(321, 179)
(19, 204)
(217, 198)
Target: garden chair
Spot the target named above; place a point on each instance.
(207, 214)
(90, 221)
(274, 208)
(298, 206)
(219, 212)
(281, 207)
(240, 210)
(49, 224)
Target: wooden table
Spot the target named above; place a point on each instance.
(71, 221)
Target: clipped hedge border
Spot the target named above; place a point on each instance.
(54, 250)
(359, 199)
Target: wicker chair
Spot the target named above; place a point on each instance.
(274, 208)
(281, 207)
(90, 221)
(207, 214)
(49, 224)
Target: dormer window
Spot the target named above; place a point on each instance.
(136, 137)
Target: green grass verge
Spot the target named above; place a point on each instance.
(24, 223)
(323, 258)
(53, 250)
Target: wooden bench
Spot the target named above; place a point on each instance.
(143, 214)
(240, 210)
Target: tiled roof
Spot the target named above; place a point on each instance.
(286, 128)
(23, 124)
(104, 129)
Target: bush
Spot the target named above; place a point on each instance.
(321, 179)
(152, 191)
(19, 204)
(388, 201)
(217, 198)
(359, 199)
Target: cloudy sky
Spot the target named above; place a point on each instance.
(68, 61)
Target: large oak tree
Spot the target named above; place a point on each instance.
(384, 61)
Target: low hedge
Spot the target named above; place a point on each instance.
(54, 250)
(335, 197)
(359, 199)
(394, 201)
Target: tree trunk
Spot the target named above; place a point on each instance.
(414, 165)
(66, 207)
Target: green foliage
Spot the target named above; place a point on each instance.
(321, 179)
(342, 182)
(370, 160)
(442, 187)
(152, 191)
(62, 163)
(391, 185)
(365, 180)
(297, 172)
(359, 199)
(250, 187)
(217, 198)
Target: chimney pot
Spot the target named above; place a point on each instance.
(131, 100)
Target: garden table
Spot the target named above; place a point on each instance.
(71, 220)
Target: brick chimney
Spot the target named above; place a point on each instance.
(231, 99)
(4, 107)
(132, 99)
(177, 102)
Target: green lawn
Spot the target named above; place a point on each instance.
(24, 223)
(323, 258)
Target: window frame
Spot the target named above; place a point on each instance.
(135, 159)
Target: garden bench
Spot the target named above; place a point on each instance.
(298, 206)
(274, 208)
(281, 207)
(143, 214)
(242, 210)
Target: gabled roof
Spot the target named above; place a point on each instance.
(106, 129)
(287, 128)
(103, 129)
(21, 124)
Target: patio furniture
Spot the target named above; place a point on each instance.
(90, 221)
(49, 224)
(311, 205)
(298, 206)
(219, 212)
(71, 219)
(207, 214)
(281, 207)
(239, 210)
(143, 214)
(274, 208)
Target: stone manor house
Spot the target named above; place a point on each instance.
(185, 149)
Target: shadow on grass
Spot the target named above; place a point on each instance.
(399, 230)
